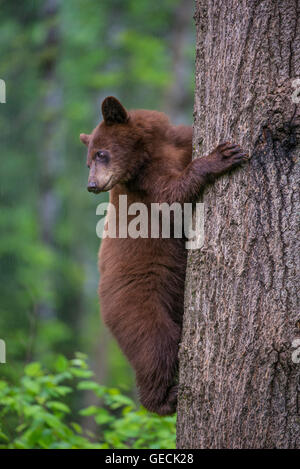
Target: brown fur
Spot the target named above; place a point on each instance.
(142, 280)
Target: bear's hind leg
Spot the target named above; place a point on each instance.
(142, 323)
(156, 380)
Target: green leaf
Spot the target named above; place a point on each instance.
(61, 364)
(79, 373)
(31, 385)
(89, 385)
(3, 436)
(33, 369)
(91, 410)
(103, 416)
(76, 427)
(60, 406)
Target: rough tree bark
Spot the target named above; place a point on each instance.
(239, 385)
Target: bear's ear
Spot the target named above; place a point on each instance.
(113, 112)
(85, 139)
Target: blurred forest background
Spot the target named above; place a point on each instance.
(59, 60)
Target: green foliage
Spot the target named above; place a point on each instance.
(37, 413)
(55, 81)
(48, 284)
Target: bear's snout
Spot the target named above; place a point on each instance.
(93, 187)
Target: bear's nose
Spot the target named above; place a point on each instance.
(93, 187)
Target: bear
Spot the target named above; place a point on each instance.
(140, 154)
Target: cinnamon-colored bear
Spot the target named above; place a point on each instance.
(141, 155)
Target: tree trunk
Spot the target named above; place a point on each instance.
(177, 95)
(48, 155)
(52, 102)
(239, 383)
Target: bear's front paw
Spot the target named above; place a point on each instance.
(230, 155)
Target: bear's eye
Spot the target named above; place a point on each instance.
(101, 155)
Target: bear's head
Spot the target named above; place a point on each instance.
(116, 148)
